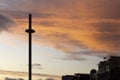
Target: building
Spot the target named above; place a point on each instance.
(82, 76)
(68, 77)
(77, 76)
(109, 69)
(93, 74)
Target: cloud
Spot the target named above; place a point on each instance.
(49, 79)
(105, 36)
(5, 23)
(74, 57)
(36, 66)
(95, 28)
(16, 73)
(47, 23)
(75, 27)
(13, 78)
(15, 5)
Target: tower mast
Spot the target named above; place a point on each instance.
(30, 31)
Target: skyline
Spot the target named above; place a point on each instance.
(71, 36)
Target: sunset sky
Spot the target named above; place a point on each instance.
(72, 36)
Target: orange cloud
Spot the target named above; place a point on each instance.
(81, 27)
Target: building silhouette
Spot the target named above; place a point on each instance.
(68, 77)
(109, 69)
(77, 76)
(93, 74)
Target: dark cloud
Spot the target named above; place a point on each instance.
(5, 23)
(44, 15)
(51, 5)
(107, 27)
(72, 8)
(39, 79)
(13, 78)
(108, 36)
(110, 8)
(16, 14)
(23, 14)
(74, 58)
(36, 66)
(49, 79)
(48, 23)
(15, 5)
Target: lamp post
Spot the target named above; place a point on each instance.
(30, 31)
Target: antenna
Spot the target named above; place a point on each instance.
(30, 31)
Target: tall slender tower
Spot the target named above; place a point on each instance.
(30, 31)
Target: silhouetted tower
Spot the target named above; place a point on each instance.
(30, 31)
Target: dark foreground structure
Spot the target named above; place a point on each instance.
(109, 69)
(76, 77)
(30, 31)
